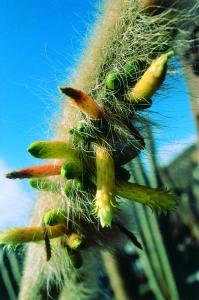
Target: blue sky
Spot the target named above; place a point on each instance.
(41, 42)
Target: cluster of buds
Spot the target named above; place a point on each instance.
(100, 174)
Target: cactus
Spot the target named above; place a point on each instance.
(92, 155)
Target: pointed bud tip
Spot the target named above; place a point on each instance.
(33, 149)
(11, 175)
(71, 92)
(170, 53)
(37, 149)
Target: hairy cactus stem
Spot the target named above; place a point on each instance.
(105, 201)
(36, 171)
(84, 102)
(128, 74)
(151, 80)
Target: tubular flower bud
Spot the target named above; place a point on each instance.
(84, 102)
(151, 80)
(73, 168)
(74, 240)
(51, 149)
(113, 81)
(44, 184)
(155, 198)
(105, 201)
(36, 171)
(54, 216)
(21, 235)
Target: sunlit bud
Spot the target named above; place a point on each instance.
(74, 240)
(155, 198)
(51, 149)
(84, 102)
(55, 216)
(105, 196)
(44, 184)
(151, 80)
(36, 171)
(21, 235)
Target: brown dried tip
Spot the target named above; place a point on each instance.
(36, 171)
(84, 102)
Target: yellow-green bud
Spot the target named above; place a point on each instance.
(55, 216)
(155, 198)
(51, 149)
(44, 184)
(73, 168)
(105, 196)
(21, 235)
